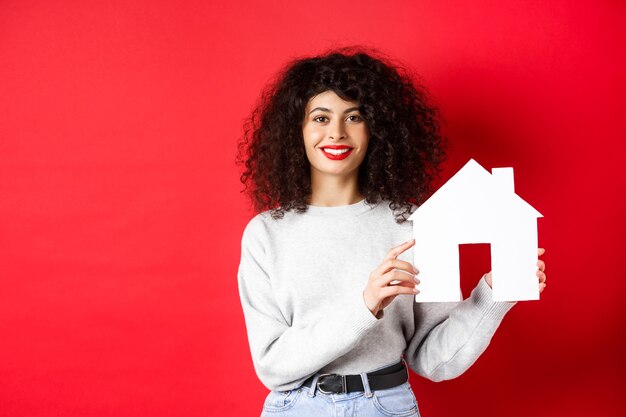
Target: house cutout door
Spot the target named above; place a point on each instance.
(474, 262)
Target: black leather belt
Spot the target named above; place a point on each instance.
(388, 377)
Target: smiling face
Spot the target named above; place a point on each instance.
(335, 136)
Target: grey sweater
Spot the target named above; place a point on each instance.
(301, 280)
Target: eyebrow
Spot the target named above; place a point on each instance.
(330, 111)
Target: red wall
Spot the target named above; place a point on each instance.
(121, 216)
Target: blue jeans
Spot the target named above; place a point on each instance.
(307, 401)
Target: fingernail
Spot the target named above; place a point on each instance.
(415, 290)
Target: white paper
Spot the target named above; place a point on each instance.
(475, 206)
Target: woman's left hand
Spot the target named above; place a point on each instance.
(541, 274)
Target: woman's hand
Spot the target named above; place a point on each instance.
(540, 272)
(387, 281)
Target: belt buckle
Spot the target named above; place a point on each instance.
(343, 384)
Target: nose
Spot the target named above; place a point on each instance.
(337, 131)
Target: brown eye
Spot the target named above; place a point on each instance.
(355, 118)
(317, 119)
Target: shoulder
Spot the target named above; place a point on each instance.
(256, 228)
(263, 226)
(390, 212)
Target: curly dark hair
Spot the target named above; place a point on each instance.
(405, 147)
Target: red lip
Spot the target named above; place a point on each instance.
(337, 157)
(336, 147)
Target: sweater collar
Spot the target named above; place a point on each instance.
(336, 211)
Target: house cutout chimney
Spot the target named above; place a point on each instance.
(503, 179)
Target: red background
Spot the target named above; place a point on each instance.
(121, 214)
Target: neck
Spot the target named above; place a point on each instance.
(330, 190)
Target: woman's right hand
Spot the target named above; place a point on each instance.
(388, 281)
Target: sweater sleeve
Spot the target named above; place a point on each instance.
(450, 337)
(285, 355)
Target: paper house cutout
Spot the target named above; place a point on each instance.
(475, 206)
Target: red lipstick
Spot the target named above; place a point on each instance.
(337, 155)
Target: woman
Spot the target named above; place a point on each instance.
(340, 150)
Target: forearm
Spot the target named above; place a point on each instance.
(284, 355)
(453, 345)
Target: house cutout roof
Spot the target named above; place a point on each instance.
(474, 188)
